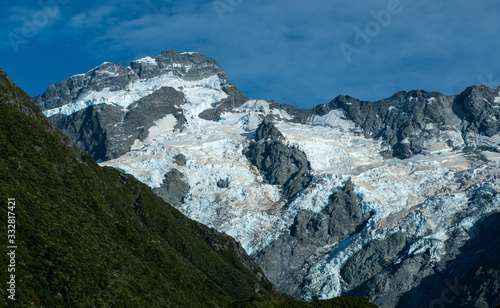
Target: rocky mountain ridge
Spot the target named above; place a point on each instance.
(351, 197)
(103, 116)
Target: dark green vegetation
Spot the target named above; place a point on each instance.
(95, 237)
(339, 302)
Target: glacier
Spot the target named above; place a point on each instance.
(418, 196)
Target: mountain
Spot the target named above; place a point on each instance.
(113, 100)
(389, 200)
(91, 236)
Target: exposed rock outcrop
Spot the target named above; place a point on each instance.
(407, 121)
(108, 131)
(466, 276)
(279, 163)
(173, 189)
(283, 259)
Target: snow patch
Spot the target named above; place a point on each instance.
(163, 126)
(146, 60)
(258, 106)
(335, 118)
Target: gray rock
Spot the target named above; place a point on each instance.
(267, 130)
(223, 183)
(189, 66)
(299, 115)
(467, 275)
(403, 120)
(173, 189)
(373, 259)
(278, 163)
(386, 288)
(471, 277)
(235, 99)
(107, 131)
(400, 120)
(284, 260)
(107, 75)
(180, 159)
(476, 106)
(87, 128)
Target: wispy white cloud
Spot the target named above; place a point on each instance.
(92, 18)
(18, 16)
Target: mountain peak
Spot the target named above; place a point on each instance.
(149, 74)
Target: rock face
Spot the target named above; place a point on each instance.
(235, 99)
(479, 115)
(467, 276)
(180, 159)
(114, 109)
(173, 189)
(407, 121)
(278, 163)
(108, 131)
(471, 278)
(373, 259)
(117, 77)
(310, 232)
(378, 199)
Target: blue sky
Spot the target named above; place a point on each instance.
(301, 53)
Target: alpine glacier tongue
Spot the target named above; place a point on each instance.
(377, 199)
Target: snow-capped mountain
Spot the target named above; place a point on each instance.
(395, 200)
